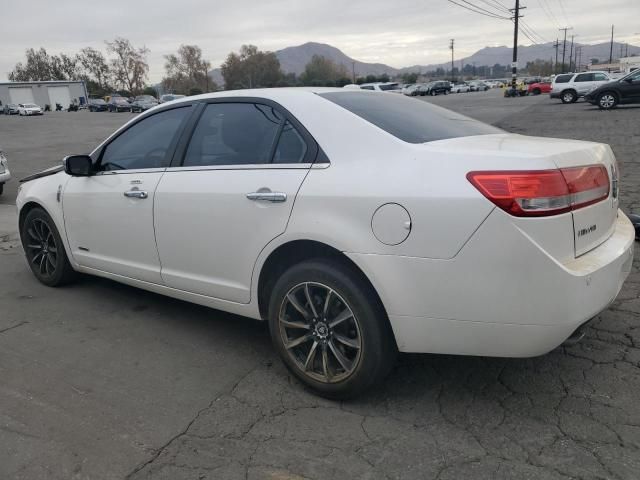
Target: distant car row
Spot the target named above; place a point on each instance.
(444, 87)
(23, 109)
(597, 88)
(116, 103)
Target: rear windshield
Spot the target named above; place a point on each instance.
(564, 78)
(408, 119)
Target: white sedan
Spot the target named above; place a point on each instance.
(356, 224)
(29, 109)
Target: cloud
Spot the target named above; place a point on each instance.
(396, 32)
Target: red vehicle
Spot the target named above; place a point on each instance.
(539, 87)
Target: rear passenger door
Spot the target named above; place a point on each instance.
(229, 195)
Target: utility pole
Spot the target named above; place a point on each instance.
(514, 63)
(353, 71)
(556, 45)
(451, 47)
(611, 48)
(571, 54)
(564, 44)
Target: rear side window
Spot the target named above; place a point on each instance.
(291, 146)
(563, 78)
(233, 134)
(407, 119)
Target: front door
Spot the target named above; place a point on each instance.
(230, 196)
(109, 216)
(630, 88)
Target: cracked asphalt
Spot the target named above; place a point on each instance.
(102, 381)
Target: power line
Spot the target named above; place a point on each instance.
(564, 13)
(480, 8)
(496, 5)
(534, 32)
(477, 11)
(547, 10)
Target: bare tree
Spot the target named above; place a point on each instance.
(94, 65)
(187, 71)
(129, 68)
(36, 67)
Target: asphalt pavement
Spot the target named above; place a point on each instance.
(103, 381)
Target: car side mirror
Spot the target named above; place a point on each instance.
(78, 165)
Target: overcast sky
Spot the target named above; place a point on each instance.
(396, 32)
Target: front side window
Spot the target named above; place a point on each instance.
(145, 144)
(233, 134)
(599, 77)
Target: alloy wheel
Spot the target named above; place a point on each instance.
(607, 101)
(42, 250)
(320, 332)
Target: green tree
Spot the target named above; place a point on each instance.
(322, 71)
(251, 68)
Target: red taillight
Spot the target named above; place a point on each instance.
(543, 192)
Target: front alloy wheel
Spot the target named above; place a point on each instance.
(320, 332)
(44, 249)
(607, 101)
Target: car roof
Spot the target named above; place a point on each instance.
(280, 93)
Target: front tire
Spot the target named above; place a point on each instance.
(607, 101)
(329, 329)
(44, 249)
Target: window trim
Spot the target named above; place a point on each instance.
(311, 156)
(98, 153)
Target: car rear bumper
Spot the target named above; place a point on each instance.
(502, 295)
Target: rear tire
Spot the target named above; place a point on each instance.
(44, 249)
(330, 329)
(569, 96)
(607, 101)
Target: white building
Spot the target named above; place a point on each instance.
(44, 93)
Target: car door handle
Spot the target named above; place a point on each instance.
(268, 196)
(136, 194)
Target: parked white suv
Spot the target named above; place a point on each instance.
(568, 87)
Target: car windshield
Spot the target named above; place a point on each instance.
(145, 98)
(635, 75)
(407, 119)
(30, 105)
(98, 101)
(119, 100)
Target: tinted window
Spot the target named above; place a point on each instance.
(563, 78)
(233, 134)
(146, 143)
(409, 120)
(391, 86)
(291, 146)
(584, 77)
(600, 77)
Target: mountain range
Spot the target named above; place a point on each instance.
(294, 59)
